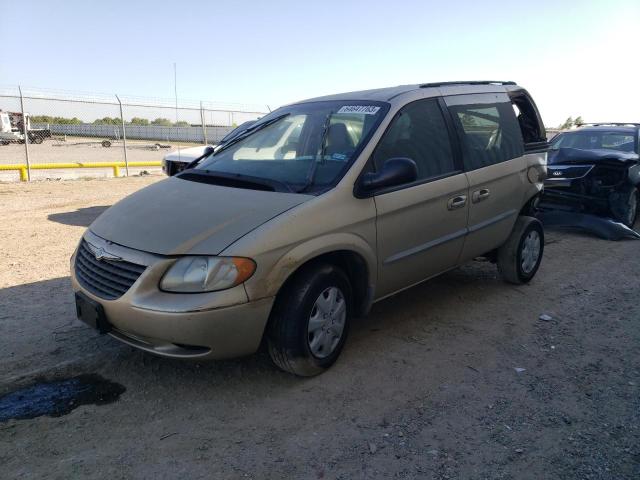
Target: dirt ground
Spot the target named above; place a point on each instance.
(426, 387)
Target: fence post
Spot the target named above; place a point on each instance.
(25, 132)
(204, 127)
(124, 138)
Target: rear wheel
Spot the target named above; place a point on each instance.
(520, 256)
(37, 139)
(624, 206)
(106, 143)
(310, 321)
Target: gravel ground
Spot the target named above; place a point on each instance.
(426, 387)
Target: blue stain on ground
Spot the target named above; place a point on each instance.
(57, 398)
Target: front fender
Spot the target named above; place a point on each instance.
(634, 175)
(289, 261)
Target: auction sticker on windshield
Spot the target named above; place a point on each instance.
(366, 109)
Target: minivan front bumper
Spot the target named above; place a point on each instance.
(216, 325)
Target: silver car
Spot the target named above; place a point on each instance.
(284, 234)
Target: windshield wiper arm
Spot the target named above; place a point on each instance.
(311, 173)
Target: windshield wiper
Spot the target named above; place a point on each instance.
(249, 131)
(311, 173)
(237, 180)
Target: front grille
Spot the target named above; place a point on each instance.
(568, 172)
(104, 278)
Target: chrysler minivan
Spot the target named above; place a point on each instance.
(321, 208)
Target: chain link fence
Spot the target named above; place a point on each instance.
(57, 134)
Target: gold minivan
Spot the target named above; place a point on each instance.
(304, 220)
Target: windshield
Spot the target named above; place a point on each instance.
(307, 147)
(596, 140)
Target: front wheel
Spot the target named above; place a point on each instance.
(520, 256)
(310, 321)
(624, 206)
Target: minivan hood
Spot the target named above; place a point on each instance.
(176, 216)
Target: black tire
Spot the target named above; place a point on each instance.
(624, 206)
(287, 333)
(106, 143)
(37, 139)
(510, 255)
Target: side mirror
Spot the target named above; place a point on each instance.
(395, 171)
(208, 150)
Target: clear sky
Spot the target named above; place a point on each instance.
(575, 57)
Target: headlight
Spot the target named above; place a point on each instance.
(206, 274)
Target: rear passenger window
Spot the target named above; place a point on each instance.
(490, 134)
(420, 133)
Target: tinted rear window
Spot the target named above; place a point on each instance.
(490, 133)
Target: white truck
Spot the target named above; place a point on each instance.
(12, 129)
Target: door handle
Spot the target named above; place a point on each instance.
(456, 202)
(480, 195)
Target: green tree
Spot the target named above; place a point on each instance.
(568, 123)
(163, 122)
(578, 120)
(107, 121)
(59, 120)
(181, 123)
(139, 121)
(67, 121)
(41, 119)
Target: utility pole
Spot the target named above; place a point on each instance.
(175, 92)
(124, 138)
(25, 132)
(204, 127)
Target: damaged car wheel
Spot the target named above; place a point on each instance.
(520, 256)
(624, 206)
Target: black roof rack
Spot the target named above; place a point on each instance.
(471, 82)
(608, 124)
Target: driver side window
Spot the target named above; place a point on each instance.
(418, 132)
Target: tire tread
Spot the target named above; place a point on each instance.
(280, 335)
(507, 257)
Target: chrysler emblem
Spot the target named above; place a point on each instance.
(100, 253)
